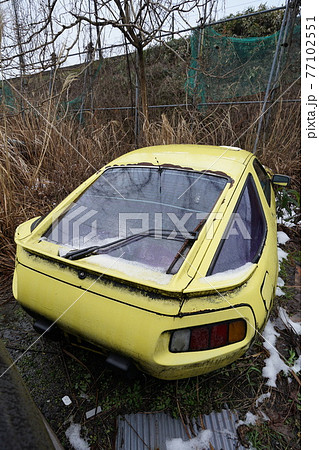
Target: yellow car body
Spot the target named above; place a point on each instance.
(168, 324)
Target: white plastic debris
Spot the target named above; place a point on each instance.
(93, 412)
(295, 326)
(66, 400)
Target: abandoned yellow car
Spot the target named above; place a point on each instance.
(165, 258)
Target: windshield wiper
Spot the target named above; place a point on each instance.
(93, 250)
(179, 254)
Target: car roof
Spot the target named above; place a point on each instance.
(208, 158)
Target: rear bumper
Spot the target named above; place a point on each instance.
(111, 323)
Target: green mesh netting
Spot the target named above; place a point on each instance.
(224, 67)
(76, 105)
(6, 96)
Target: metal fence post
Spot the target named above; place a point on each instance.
(274, 67)
(137, 101)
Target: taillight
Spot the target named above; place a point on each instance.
(237, 331)
(218, 336)
(180, 340)
(199, 338)
(208, 337)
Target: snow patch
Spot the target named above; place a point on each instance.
(264, 416)
(62, 250)
(201, 441)
(279, 292)
(280, 284)
(274, 364)
(250, 419)
(297, 366)
(281, 254)
(262, 398)
(131, 268)
(75, 439)
(287, 217)
(228, 274)
(282, 237)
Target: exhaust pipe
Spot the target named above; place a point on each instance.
(45, 327)
(122, 365)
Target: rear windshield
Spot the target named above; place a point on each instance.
(163, 207)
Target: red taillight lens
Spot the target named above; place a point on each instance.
(208, 336)
(199, 338)
(218, 336)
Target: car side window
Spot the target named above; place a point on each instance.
(245, 234)
(264, 180)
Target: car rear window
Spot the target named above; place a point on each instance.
(245, 234)
(129, 200)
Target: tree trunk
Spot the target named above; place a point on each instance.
(98, 31)
(143, 86)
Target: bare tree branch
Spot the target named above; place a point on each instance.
(49, 24)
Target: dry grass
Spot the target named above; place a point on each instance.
(42, 158)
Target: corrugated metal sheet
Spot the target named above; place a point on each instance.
(150, 431)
